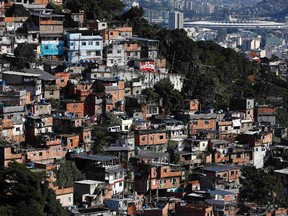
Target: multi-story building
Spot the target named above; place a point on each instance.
(149, 47)
(151, 139)
(154, 176)
(176, 19)
(115, 54)
(102, 168)
(84, 46)
(114, 87)
(16, 115)
(50, 27)
(223, 202)
(29, 81)
(228, 173)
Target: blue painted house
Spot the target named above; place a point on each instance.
(84, 46)
(52, 48)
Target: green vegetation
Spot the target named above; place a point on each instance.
(141, 26)
(259, 186)
(67, 174)
(24, 56)
(171, 98)
(25, 193)
(96, 9)
(101, 142)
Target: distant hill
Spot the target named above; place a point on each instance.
(273, 8)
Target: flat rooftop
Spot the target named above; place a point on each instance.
(89, 182)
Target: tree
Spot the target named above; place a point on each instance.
(96, 9)
(101, 142)
(67, 174)
(151, 96)
(25, 55)
(140, 25)
(172, 98)
(25, 193)
(261, 187)
(172, 150)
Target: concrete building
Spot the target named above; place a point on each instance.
(84, 46)
(176, 20)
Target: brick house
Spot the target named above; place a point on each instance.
(79, 90)
(229, 173)
(9, 154)
(62, 79)
(65, 196)
(223, 202)
(202, 123)
(76, 108)
(95, 104)
(36, 125)
(151, 139)
(225, 130)
(266, 114)
(70, 141)
(256, 138)
(114, 87)
(153, 176)
(42, 154)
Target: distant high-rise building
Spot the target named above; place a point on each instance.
(176, 20)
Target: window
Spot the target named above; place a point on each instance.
(97, 43)
(40, 154)
(111, 33)
(69, 199)
(226, 128)
(118, 51)
(51, 93)
(17, 129)
(62, 80)
(46, 47)
(83, 43)
(165, 170)
(206, 122)
(90, 42)
(120, 184)
(143, 138)
(75, 106)
(126, 127)
(232, 172)
(195, 122)
(161, 137)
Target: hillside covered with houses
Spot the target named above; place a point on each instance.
(103, 114)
